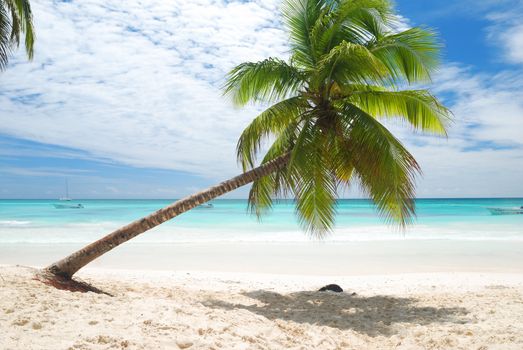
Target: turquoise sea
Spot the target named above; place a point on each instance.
(37, 221)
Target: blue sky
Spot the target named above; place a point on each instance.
(124, 101)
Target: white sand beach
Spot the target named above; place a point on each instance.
(251, 307)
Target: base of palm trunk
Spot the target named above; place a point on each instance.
(64, 283)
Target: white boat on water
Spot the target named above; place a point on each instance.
(506, 211)
(68, 206)
(206, 205)
(67, 199)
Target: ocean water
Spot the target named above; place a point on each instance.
(37, 221)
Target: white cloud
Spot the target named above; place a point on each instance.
(43, 171)
(139, 83)
(506, 31)
(513, 42)
(489, 108)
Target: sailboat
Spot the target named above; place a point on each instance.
(67, 199)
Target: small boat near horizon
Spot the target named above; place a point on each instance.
(506, 211)
(68, 206)
(206, 205)
(67, 199)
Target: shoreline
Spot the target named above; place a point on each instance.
(311, 258)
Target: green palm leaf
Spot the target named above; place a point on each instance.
(314, 186)
(350, 62)
(277, 184)
(300, 17)
(273, 121)
(5, 37)
(386, 170)
(418, 107)
(15, 19)
(412, 55)
(263, 81)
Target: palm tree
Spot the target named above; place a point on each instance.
(344, 75)
(15, 19)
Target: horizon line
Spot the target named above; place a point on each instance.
(275, 199)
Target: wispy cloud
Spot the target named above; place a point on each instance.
(139, 83)
(43, 171)
(489, 108)
(507, 31)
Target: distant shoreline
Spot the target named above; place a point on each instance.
(245, 199)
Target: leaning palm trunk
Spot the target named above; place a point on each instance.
(69, 265)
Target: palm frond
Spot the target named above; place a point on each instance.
(15, 24)
(353, 21)
(341, 159)
(412, 55)
(265, 81)
(277, 184)
(386, 170)
(265, 189)
(261, 194)
(5, 37)
(350, 62)
(300, 16)
(274, 120)
(418, 107)
(316, 200)
(314, 184)
(21, 22)
(363, 20)
(348, 10)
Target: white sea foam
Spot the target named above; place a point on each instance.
(87, 232)
(8, 223)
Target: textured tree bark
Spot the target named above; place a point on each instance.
(69, 265)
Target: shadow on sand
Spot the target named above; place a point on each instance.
(369, 315)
